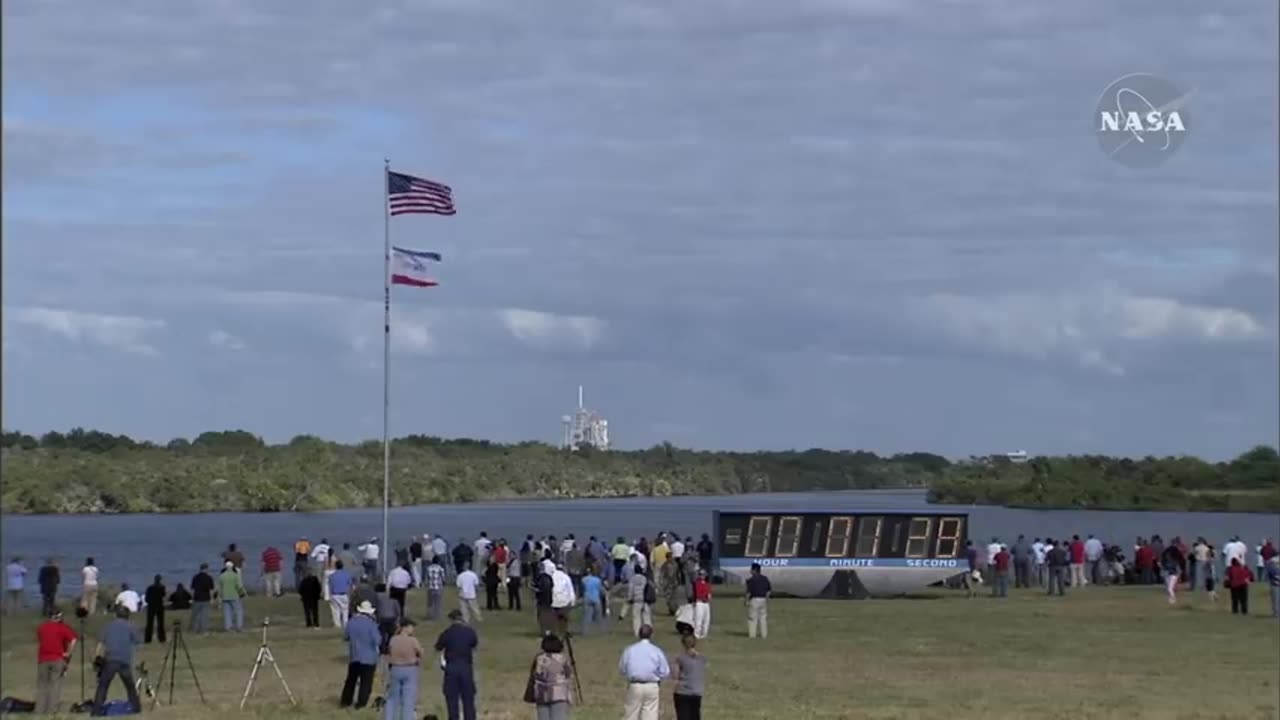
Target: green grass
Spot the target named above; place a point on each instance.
(1097, 653)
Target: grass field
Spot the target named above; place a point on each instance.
(1097, 653)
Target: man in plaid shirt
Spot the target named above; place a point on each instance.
(435, 588)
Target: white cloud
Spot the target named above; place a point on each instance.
(225, 340)
(547, 330)
(125, 333)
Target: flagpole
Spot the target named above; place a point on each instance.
(386, 360)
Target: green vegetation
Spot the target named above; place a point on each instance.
(86, 471)
(1096, 653)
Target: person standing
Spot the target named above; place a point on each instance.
(310, 592)
(1021, 563)
(706, 552)
(689, 673)
(621, 552)
(272, 563)
(550, 685)
(369, 554)
(415, 560)
(1273, 582)
(1093, 550)
(115, 647)
(701, 606)
(515, 573)
(757, 602)
(1171, 562)
(639, 593)
(435, 587)
(54, 644)
(323, 560)
(231, 591)
(592, 601)
(339, 584)
(399, 581)
(1235, 550)
(1076, 550)
(235, 557)
(48, 579)
(154, 598)
(1039, 550)
(201, 594)
(563, 598)
(89, 586)
(457, 644)
(1238, 579)
(492, 582)
(301, 553)
(644, 666)
(1000, 588)
(468, 582)
(363, 641)
(1057, 559)
(404, 655)
(15, 585)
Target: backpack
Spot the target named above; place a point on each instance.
(650, 594)
(14, 705)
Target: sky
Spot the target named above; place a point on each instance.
(854, 224)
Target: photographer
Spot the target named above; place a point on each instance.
(55, 642)
(113, 657)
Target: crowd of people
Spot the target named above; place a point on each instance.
(1056, 564)
(604, 580)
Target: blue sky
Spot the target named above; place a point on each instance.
(877, 224)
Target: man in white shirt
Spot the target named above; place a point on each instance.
(1038, 551)
(369, 553)
(567, 544)
(89, 586)
(644, 666)
(1093, 559)
(1234, 550)
(677, 548)
(482, 547)
(467, 583)
(128, 599)
(399, 581)
(563, 596)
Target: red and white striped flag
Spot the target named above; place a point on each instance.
(409, 194)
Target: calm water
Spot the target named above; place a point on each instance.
(131, 548)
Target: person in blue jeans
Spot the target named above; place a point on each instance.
(231, 590)
(592, 600)
(404, 655)
(456, 644)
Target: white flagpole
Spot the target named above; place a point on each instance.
(386, 361)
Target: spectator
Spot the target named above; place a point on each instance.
(689, 673)
(456, 645)
(155, 597)
(89, 586)
(1238, 579)
(1001, 586)
(272, 562)
(48, 579)
(1076, 549)
(55, 642)
(201, 595)
(550, 685)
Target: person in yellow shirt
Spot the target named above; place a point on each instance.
(621, 552)
(661, 553)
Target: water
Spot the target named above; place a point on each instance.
(132, 548)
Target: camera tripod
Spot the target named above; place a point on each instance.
(568, 644)
(171, 662)
(264, 654)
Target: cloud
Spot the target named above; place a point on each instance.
(544, 330)
(117, 332)
(226, 341)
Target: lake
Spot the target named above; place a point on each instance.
(132, 548)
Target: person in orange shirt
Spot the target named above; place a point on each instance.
(701, 605)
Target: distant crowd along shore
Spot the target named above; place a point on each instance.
(599, 578)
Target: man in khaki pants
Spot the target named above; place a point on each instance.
(644, 666)
(757, 600)
(56, 641)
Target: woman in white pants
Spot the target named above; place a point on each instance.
(701, 605)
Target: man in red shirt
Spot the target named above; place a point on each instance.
(1077, 562)
(1238, 578)
(271, 563)
(1002, 561)
(1144, 558)
(701, 605)
(55, 641)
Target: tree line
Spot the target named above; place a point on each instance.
(89, 471)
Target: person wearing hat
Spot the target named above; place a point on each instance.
(404, 654)
(456, 645)
(363, 640)
(55, 640)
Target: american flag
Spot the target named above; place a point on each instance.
(409, 194)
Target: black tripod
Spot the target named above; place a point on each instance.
(171, 662)
(577, 680)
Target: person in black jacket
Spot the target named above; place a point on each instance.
(155, 597)
(462, 554)
(310, 591)
(542, 588)
(492, 581)
(180, 598)
(201, 595)
(50, 577)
